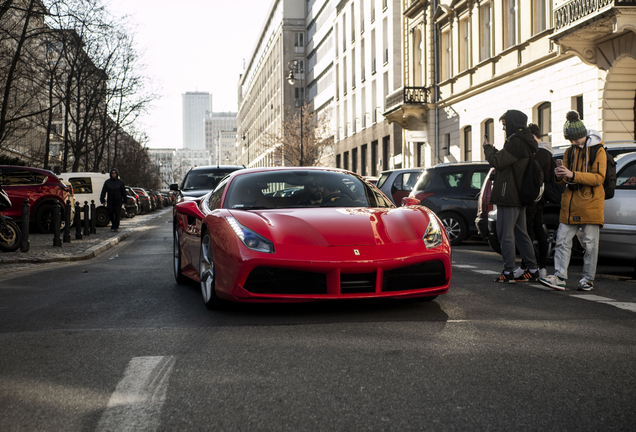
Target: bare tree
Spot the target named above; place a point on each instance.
(303, 137)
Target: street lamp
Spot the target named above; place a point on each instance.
(297, 65)
(248, 148)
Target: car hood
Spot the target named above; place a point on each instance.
(337, 226)
(195, 193)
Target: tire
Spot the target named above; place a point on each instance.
(207, 275)
(10, 236)
(176, 253)
(455, 228)
(101, 217)
(44, 219)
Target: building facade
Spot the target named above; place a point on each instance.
(214, 123)
(165, 160)
(467, 62)
(226, 149)
(263, 92)
(196, 107)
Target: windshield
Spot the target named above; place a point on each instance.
(205, 179)
(302, 188)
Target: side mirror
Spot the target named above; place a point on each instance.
(410, 201)
(174, 187)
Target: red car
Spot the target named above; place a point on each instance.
(41, 187)
(301, 234)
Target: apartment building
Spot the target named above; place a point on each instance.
(263, 92)
(214, 123)
(368, 67)
(226, 147)
(466, 63)
(196, 107)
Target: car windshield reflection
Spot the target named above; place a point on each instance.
(301, 188)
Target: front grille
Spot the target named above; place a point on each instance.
(426, 275)
(357, 283)
(269, 280)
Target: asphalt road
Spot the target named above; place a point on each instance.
(114, 342)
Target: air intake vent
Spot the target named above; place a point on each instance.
(426, 275)
(357, 283)
(268, 280)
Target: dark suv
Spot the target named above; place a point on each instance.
(451, 191)
(41, 187)
(201, 180)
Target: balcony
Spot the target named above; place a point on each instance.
(579, 25)
(407, 106)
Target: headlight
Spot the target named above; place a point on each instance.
(433, 236)
(249, 238)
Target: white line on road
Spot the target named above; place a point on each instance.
(464, 266)
(487, 272)
(608, 301)
(136, 403)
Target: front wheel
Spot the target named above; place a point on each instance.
(207, 274)
(176, 252)
(101, 217)
(455, 228)
(10, 236)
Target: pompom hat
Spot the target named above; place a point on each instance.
(573, 128)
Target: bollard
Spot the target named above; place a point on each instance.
(87, 231)
(25, 245)
(93, 218)
(67, 222)
(78, 222)
(57, 241)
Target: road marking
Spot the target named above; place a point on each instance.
(464, 266)
(608, 301)
(136, 403)
(487, 272)
(544, 288)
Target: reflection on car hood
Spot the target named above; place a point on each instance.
(195, 193)
(336, 226)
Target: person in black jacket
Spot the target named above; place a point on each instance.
(116, 191)
(511, 163)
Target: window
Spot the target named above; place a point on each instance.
(477, 180)
(299, 39)
(362, 61)
(81, 185)
(299, 94)
(417, 58)
(373, 51)
(453, 180)
(468, 143)
(346, 160)
(354, 160)
(19, 177)
(385, 40)
(544, 123)
(353, 23)
(579, 106)
(353, 68)
(484, 32)
(626, 178)
(539, 15)
(446, 56)
(362, 16)
(363, 160)
(372, 11)
(374, 158)
(344, 75)
(386, 141)
(464, 44)
(338, 157)
(509, 28)
(344, 31)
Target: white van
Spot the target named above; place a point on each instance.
(87, 186)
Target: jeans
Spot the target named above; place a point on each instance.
(589, 240)
(511, 230)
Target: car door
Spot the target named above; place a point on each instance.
(471, 189)
(618, 235)
(403, 185)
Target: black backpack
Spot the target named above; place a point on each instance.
(531, 188)
(553, 191)
(609, 184)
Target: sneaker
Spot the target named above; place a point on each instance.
(506, 278)
(518, 272)
(543, 273)
(553, 281)
(527, 276)
(585, 285)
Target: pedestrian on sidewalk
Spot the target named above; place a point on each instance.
(511, 163)
(116, 191)
(582, 204)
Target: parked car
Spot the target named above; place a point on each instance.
(244, 243)
(42, 188)
(87, 187)
(201, 180)
(144, 200)
(451, 190)
(618, 235)
(397, 184)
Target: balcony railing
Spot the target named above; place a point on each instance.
(410, 95)
(575, 10)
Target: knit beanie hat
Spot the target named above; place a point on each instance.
(573, 128)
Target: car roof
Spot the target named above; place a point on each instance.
(214, 167)
(38, 170)
(458, 164)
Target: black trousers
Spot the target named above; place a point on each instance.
(534, 221)
(113, 210)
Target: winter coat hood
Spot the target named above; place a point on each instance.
(111, 170)
(515, 121)
(547, 146)
(593, 138)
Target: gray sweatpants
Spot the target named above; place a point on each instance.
(511, 230)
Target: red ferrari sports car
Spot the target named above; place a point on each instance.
(302, 234)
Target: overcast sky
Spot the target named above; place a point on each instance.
(191, 45)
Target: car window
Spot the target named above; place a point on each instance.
(301, 188)
(397, 183)
(215, 197)
(409, 181)
(205, 179)
(626, 179)
(423, 181)
(477, 179)
(383, 178)
(20, 177)
(453, 179)
(82, 185)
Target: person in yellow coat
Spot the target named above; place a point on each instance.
(582, 203)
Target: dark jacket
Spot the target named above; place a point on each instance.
(115, 189)
(511, 161)
(544, 157)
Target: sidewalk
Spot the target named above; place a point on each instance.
(43, 251)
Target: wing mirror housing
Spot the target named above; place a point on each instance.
(410, 201)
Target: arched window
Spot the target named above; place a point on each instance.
(544, 121)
